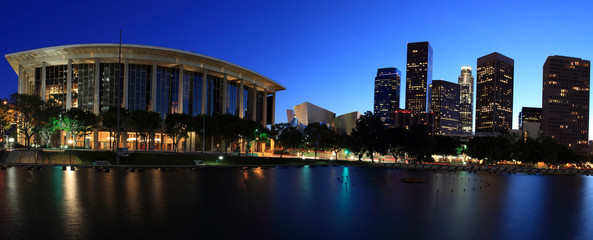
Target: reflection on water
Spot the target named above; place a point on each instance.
(291, 203)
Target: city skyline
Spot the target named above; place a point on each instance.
(333, 50)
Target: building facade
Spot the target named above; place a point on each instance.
(306, 113)
(466, 100)
(387, 83)
(565, 102)
(162, 80)
(444, 103)
(418, 76)
(494, 93)
(345, 123)
(530, 120)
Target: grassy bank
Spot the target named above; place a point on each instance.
(154, 158)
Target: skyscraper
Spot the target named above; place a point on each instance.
(565, 102)
(444, 103)
(466, 99)
(387, 94)
(494, 93)
(418, 76)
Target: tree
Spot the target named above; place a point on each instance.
(145, 124)
(28, 108)
(177, 125)
(228, 127)
(492, 149)
(109, 123)
(370, 134)
(251, 132)
(337, 142)
(397, 138)
(444, 145)
(289, 137)
(79, 122)
(317, 137)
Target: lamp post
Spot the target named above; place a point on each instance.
(118, 101)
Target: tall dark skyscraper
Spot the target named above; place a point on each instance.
(466, 99)
(565, 102)
(494, 93)
(387, 94)
(444, 103)
(418, 76)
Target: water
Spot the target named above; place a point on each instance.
(291, 203)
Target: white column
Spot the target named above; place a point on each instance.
(126, 83)
(69, 86)
(153, 88)
(204, 92)
(21, 80)
(95, 139)
(254, 103)
(180, 95)
(241, 97)
(265, 108)
(43, 80)
(273, 109)
(225, 107)
(96, 103)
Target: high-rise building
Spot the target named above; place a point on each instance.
(444, 103)
(466, 99)
(418, 76)
(530, 120)
(387, 94)
(565, 102)
(494, 93)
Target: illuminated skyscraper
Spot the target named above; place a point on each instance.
(494, 93)
(565, 102)
(444, 103)
(466, 99)
(387, 94)
(418, 76)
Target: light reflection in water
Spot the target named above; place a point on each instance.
(72, 210)
(158, 192)
(132, 191)
(184, 203)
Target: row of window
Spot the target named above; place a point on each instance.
(140, 89)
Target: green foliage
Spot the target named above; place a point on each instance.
(317, 137)
(79, 122)
(494, 149)
(289, 137)
(109, 123)
(29, 110)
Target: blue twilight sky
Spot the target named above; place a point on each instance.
(324, 52)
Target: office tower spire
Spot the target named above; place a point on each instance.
(466, 99)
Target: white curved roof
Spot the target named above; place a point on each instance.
(163, 55)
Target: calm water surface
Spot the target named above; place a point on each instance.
(291, 203)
